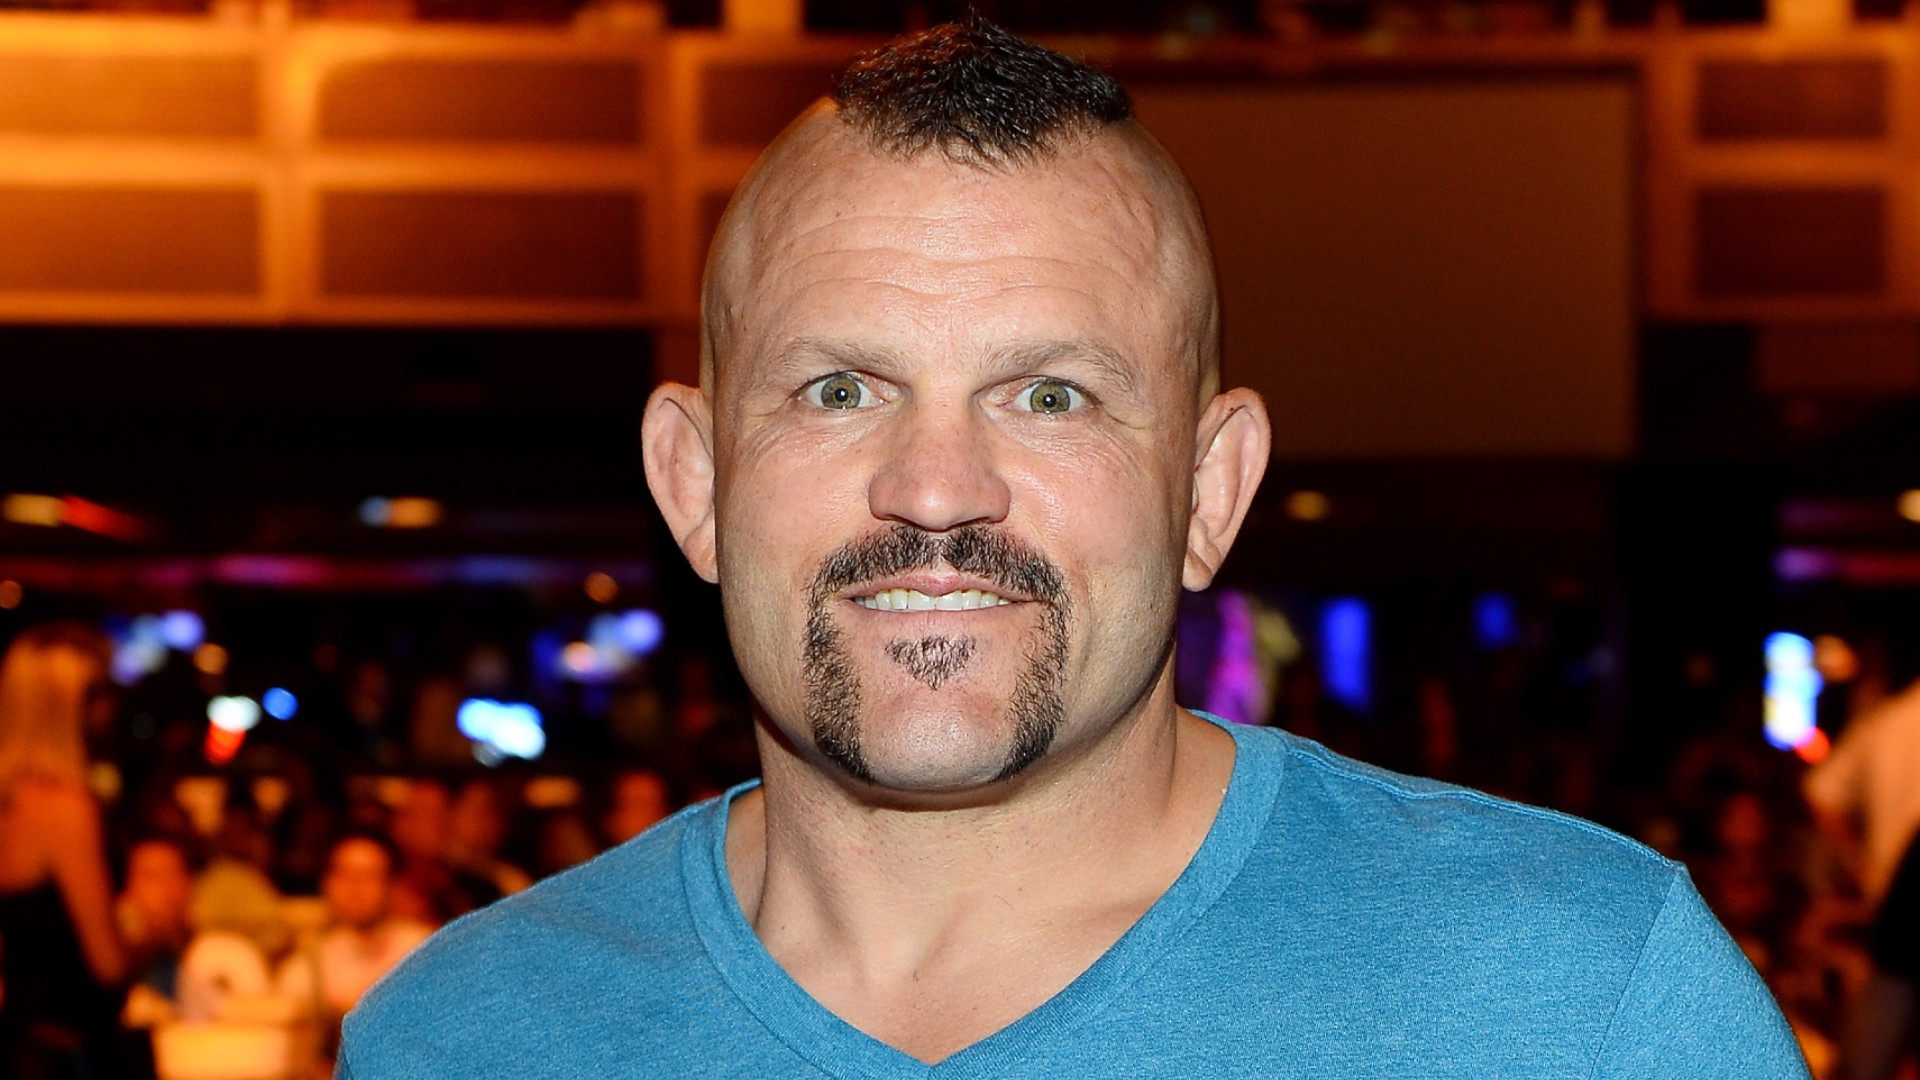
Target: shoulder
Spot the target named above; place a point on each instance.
(619, 897)
(599, 931)
(56, 799)
(1398, 808)
(62, 814)
(1478, 914)
(1396, 841)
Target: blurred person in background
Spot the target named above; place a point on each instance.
(1865, 800)
(636, 799)
(448, 866)
(418, 825)
(63, 961)
(1878, 1039)
(1865, 796)
(234, 892)
(564, 837)
(153, 912)
(1746, 876)
(474, 840)
(364, 935)
(180, 972)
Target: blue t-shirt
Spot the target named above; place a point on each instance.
(1338, 921)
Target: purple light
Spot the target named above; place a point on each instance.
(182, 630)
(1235, 689)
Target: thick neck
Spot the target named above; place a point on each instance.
(889, 890)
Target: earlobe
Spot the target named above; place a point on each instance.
(1230, 457)
(676, 446)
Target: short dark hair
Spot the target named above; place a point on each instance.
(977, 94)
(375, 837)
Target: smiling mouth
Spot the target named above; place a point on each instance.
(915, 600)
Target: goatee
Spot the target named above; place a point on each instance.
(833, 683)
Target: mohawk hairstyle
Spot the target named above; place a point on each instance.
(976, 94)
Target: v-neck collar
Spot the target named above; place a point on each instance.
(837, 1048)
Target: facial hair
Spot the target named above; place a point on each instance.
(833, 683)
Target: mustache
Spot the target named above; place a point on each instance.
(1010, 564)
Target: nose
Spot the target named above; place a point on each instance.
(939, 472)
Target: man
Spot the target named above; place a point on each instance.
(1865, 801)
(638, 799)
(365, 937)
(151, 911)
(1865, 796)
(957, 446)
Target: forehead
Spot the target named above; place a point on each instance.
(155, 858)
(838, 242)
(359, 856)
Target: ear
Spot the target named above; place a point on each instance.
(676, 446)
(1230, 455)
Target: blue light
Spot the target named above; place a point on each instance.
(614, 643)
(280, 703)
(135, 659)
(1346, 662)
(1495, 623)
(183, 631)
(1793, 687)
(502, 729)
(641, 631)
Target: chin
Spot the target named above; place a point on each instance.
(937, 754)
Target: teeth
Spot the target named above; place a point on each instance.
(915, 600)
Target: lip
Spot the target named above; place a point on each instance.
(934, 583)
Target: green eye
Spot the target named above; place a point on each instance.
(840, 391)
(1052, 397)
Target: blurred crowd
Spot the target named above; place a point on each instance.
(158, 914)
(158, 917)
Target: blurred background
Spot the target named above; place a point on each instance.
(1591, 330)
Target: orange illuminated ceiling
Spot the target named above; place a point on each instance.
(178, 170)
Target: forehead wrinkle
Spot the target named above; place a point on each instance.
(918, 277)
(1124, 177)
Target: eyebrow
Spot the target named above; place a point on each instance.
(808, 352)
(1097, 354)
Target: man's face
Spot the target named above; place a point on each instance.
(159, 884)
(953, 437)
(422, 823)
(358, 883)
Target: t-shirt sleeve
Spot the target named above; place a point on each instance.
(1694, 1007)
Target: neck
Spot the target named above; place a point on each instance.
(366, 934)
(859, 897)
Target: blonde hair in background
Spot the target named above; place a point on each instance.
(45, 682)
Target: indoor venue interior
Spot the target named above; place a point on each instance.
(1590, 330)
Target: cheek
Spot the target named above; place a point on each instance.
(781, 505)
(775, 499)
(1115, 505)
(1114, 518)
